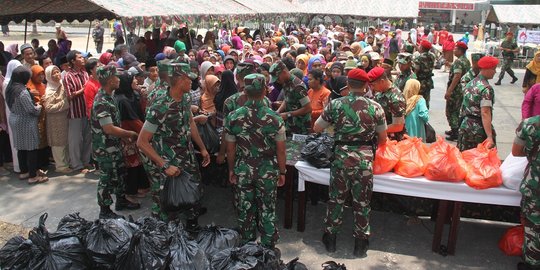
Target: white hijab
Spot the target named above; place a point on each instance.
(12, 65)
(52, 86)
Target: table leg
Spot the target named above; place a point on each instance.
(301, 222)
(289, 179)
(442, 214)
(452, 236)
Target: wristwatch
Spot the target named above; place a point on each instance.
(166, 165)
(289, 115)
(283, 173)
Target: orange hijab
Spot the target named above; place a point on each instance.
(305, 59)
(35, 83)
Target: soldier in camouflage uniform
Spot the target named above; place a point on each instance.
(473, 71)
(527, 143)
(106, 135)
(392, 101)
(166, 139)
(423, 65)
(509, 48)
(296, 107)
(163, 82)
(454, 92)
(478, 100)
(357, 121)
(405, 66)
(255, 137)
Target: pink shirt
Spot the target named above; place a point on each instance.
(531, 103)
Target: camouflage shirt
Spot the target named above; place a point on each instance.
(509, 45)
(160, 89)
(424, 65)
(465, 79)
(477, 94)
(238, 100)
(402, 79)
(394, 105)
(355, 118)
(106, 148)
(528, 135)
(170, 122)
(460, 65)
(296, 97)
(255, 128)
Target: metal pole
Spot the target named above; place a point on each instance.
(189, 35)
(88, 37)
(25, 29)
(125, 33)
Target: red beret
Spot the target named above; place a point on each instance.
(510, 34)
(488, 62)
(375, 73)
(358, 74)
(425, 44)
(462, 45)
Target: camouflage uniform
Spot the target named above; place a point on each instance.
(169, 121)
(394, 105)
(255, 128)
(508, 59)
(528, 135)
(424, 72)
(402, 79)
(356, 120)
(106, 149)
(465, 79)
(296, 97)
(478, 93)
(453, 105)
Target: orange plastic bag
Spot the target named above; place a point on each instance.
(445, 162)
(386, 157)
(483, 167)
(413, 158)
(511, 242)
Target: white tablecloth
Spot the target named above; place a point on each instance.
(418, 187)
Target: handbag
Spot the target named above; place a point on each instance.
(431, 136)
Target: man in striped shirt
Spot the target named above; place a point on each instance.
(80, 145)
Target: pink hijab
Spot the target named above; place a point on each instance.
(13, 49)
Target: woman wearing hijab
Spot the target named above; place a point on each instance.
(13, 49)
(314, 62)
(532, 73)
(24, 123)
(416, 113)
(56, 106)
(37, 89)
(132, 117)
(227, 88)
(531, 103)
(302, 63)
(211, 85)
(12, 65)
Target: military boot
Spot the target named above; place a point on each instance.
(453, 135)
(498, 82)
(360, 247)
(122, 203)
(105, 212)
(329, 241)
(514, 80)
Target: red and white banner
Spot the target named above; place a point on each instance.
(446, 5)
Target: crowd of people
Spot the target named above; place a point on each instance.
(136, 112)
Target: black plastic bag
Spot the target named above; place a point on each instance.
(72, 225)
(318, 150)
(213, 239)
(106, 238)
(431, 135)
(234, 259)
(294, 264)
(331, 265)
(184, 253)
(180, 192)
(209, 136)
(17, 253)
(268, 259)
(64, 254)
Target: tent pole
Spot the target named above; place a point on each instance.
(125, 33)
(25, 29)
(139, 32)
(189, 35)
(88, 37)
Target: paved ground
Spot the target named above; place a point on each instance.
(398, 242)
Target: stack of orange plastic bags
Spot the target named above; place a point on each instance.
(479, 167)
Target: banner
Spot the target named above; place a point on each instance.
(528, 36)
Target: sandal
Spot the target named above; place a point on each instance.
(43, 179)
(34, 180)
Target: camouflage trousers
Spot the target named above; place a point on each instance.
(257, 204)
(345, 182)
(471, 133)
(506, 66)
(453, 106)
(111, 181)
(530, 210)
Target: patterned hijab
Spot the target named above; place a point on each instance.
(411, 93)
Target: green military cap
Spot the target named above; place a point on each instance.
(476, 56)
(164, 66)
(104, 72)
(409, 48)
(179, 69)
(275, 69)
(255, 83)
(245, 68)
(404, 58)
